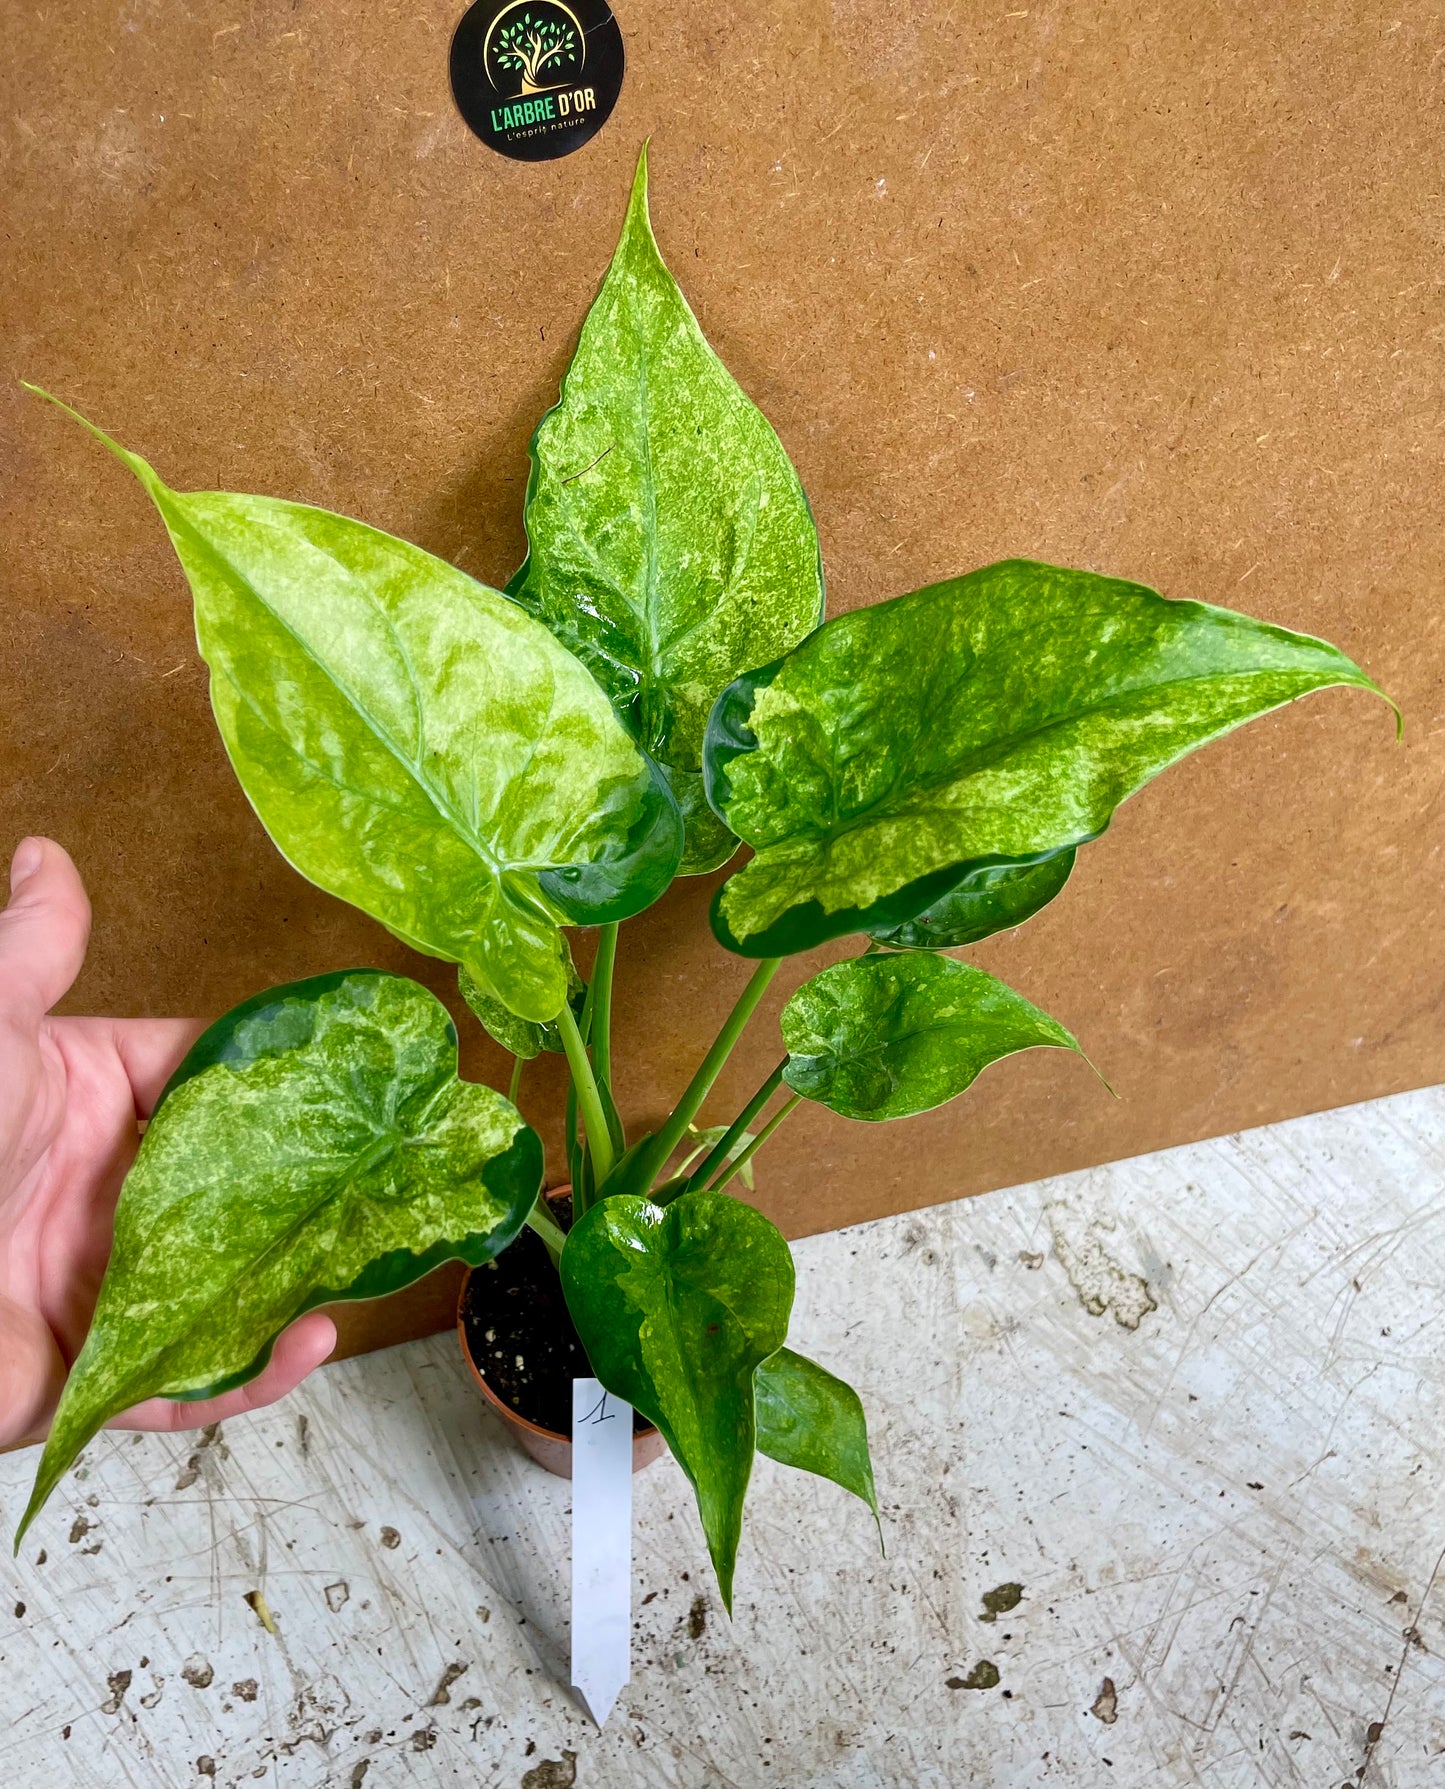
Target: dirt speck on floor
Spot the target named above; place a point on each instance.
(984, 1676)
(697, 1618)
(261, 1609)
(1103, 1287)
(390, 1538)
(117, 1683)
(1106, 1704)
(1000, 1600)
(552, 1773)
(198, 1672)
(442, 1694)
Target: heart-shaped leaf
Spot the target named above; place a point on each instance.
(676, 1310)
(416, 743)
(315, 1145)
(886, 1036)
(994, 719)
(810, 1419)
(669, 541)
(523, 1037)
(985, 902)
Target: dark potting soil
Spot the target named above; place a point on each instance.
(519, 1333)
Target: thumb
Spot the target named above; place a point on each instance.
(43, 931)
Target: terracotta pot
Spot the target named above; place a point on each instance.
(546, 1446)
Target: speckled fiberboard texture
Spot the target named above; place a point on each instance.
(1158, 1454)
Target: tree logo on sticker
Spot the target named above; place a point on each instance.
(536, 78)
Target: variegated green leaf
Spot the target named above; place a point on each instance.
(669, 541)
(809, 1418)
(414, 742)
(315, 1145)
(676, 1308)
(885, 1036)
(995, 719)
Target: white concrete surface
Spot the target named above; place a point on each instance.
(1192, 1404)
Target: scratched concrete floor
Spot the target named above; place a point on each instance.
(1192, 1404)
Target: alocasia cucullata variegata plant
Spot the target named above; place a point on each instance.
(482, 771)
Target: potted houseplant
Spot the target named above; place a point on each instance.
(481, 771)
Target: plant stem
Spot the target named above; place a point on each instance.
(518, 1064)
(752, 1149)
(698, 1088)
(599, 1139)
(601, 1037)
(547, 1227)
(721, 1149)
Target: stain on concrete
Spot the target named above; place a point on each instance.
(1000, 1600)
(1103, 1287)
(1106, 1704)
(390, 1538)
(117, 1683)
(984, 1676)
(552, 1773)
(442, 1694)
(198, 1672)
(697, 1618)
(245, 1689)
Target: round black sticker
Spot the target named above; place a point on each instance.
(537, 78)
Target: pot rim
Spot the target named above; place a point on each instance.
(507, 1411)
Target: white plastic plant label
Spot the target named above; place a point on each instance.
(601, 1546)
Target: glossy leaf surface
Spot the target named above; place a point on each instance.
(885, 1036)
(315, 1145)
(996, 718)
(707, 843)
(676, 1309)
(809, 1418)
(523, 1037)
(414, 742)
(669, 541)
(985, 902)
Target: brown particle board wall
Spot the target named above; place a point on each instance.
(1148, 288)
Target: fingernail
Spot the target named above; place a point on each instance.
(26, 861)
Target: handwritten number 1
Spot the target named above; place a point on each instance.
(599, 1413)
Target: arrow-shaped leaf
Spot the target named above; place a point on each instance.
(676, 1309)
(315, 1145)
(885, 1036)
(995, 719)
(669, 542)
(809, 1418)
(416, 743)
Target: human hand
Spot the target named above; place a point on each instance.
(72, 1094)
